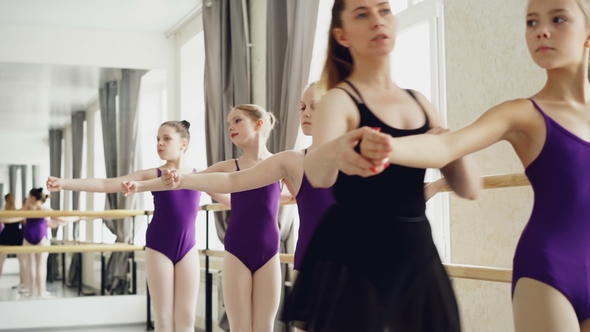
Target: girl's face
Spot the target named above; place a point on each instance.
(556, 33)
(308, 102)
(30, 201)
(368, 27)
(242, 128)
(169, 143)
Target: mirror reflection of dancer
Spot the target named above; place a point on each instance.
(35, 234)
(371, 264)
(12, 235)
(172, 260)
(550, 133)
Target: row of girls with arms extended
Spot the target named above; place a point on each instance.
(372, 141)
(30, 232)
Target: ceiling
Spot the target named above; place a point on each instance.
(36, 97)
(126, 15)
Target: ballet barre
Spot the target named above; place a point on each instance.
(108, 214)
(473, 272)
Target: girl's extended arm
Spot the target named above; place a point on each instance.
(437, 151)
(272, 169)
(110, 185)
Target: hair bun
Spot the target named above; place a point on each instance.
(185, 124)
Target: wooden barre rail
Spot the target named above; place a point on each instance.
(453, 270)
(489, 182)
(76, 248)
(75, 213)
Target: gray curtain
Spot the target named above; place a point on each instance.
(2, 195)
(36, 180)
(290, 29)
(12, 169)
(23, 181)
(55, 154)
(78, 119)
(120, 163)
(227, 79)
(13, 179)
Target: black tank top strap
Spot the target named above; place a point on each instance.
(427, 124)
(355, 90)
(348, 93)
(237, 165)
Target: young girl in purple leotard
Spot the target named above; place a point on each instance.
(172, 260)
(550, 133)
(251, 270)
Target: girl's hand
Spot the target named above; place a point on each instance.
(53, 184)
(171, 179)
(129, 188)
(376, 147)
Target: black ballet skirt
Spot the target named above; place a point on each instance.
(372, 264)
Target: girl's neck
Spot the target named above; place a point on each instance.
(175, 163)
(255, 151)
(567, 84)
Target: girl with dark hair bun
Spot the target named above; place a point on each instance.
(172, 260)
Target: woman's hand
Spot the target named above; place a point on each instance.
(350, 162)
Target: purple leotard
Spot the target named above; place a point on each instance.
(35, 230)
(311, 204)
(554, 247)
(253, 231)
(172, 230)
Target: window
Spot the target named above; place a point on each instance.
(418, 63)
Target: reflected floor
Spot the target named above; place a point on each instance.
(8, 292)
(121, 328)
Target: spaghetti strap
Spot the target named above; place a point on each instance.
(419, 104)
(355, 90)
(350, 94)
(237, 166)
